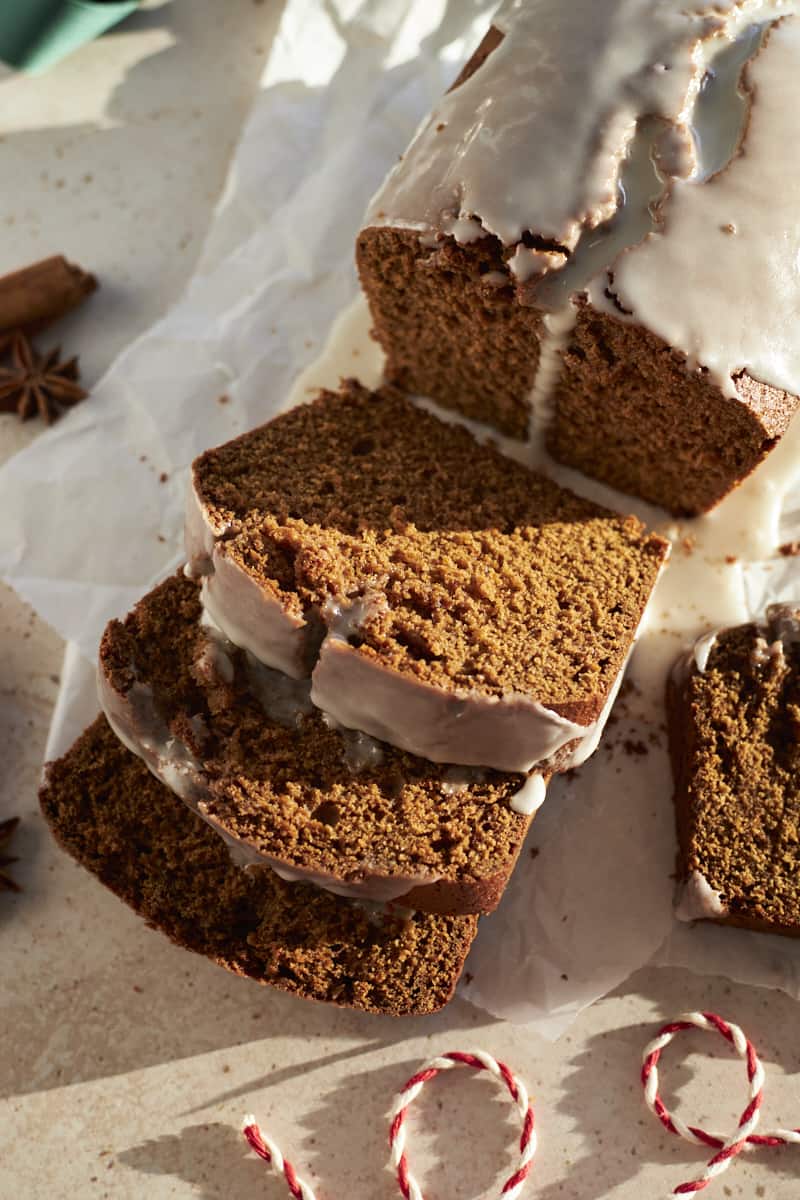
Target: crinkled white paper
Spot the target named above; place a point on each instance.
(93, 510)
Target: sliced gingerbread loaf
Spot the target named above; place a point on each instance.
(110, 814)
(734, 723)
(246, 749)
(583, 241)
(443, 598)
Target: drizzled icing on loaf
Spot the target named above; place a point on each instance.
(731, 247)
(539, 146)
(535, 139)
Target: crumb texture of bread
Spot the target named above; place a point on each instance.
(451, 326)
(488, 577)
(735, 748)
(115, 819)
(629, 413)
(289, 789)
(626, 409)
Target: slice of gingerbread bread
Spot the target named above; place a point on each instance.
(442, 597)
(583, 242)
(110, 814)
(734, 726)
(244, 747)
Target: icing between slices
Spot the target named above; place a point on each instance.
(553, 110)
(136, 723)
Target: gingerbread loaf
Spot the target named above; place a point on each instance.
(734, 726)
(442, 598)
(119, 822)
(592, 241)
(244, 747)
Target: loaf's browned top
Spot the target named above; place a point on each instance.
(488, 577)
(111, 815)
(288, 789)
(735, 745)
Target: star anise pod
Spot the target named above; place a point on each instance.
(7, 829)
(38, 384)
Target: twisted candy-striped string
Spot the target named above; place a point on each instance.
(266, 1149)
(480, 1062)
(727, 1148)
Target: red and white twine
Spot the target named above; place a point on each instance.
(727, 1148)
(478, 1060)
(267, 1149)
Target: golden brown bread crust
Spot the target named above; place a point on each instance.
(110, 814)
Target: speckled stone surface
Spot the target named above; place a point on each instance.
(126, 1064)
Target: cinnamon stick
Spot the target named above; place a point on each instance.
(39, 294)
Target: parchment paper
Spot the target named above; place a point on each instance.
(93, 508)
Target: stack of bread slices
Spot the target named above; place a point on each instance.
(323, 741)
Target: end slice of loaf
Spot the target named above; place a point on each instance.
(734, 725)
(115, 819)
(442, 597)
(246, 749)
(622, 404)
(626, 410)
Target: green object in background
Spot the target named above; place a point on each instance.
(34, 34)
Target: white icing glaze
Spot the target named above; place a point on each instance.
(697, 900)
(721, 279)
(696, 591)
(640, 187)
(510, 734)
(459, 779)
(345, 618)
(764, 652)
(612, 131)
(375, 889)
(534, 140)
(783, 621)
(702, 649)
(558, 326)
(360, 751)
(215, 660)
(137, 724)
(719, 120)
(530, 798)
(284, 700)
(782, 630)
(200, 533)
(252, 616)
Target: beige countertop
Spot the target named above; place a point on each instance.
(127, 1064)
